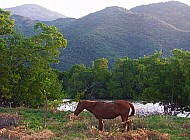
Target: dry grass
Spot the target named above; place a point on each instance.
(23, 133)
(112, 130)
(138, 134)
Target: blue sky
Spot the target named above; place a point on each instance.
(80, 8)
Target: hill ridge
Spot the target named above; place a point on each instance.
(173, 12)
(35, 12)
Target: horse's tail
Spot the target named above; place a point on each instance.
(133, 109)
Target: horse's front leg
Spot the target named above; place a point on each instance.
(101, 124)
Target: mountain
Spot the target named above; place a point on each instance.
(115, 32)
(35, 12)
(61, 23)
(172, 12)
(24, 24)
(112, 33)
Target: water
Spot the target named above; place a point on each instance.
(67, 106)
(147, 109)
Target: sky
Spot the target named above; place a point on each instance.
(80, 8)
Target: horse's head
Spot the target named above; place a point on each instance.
(79, 108)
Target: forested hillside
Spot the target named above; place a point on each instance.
(24, 25)
(115, 32)
(172, 12)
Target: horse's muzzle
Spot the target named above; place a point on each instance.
(76, 114)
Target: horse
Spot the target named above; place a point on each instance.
(107, 110)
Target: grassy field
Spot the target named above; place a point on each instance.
(63, 126)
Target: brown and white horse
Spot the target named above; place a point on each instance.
(107, 110)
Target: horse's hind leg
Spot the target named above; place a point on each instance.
(101, 124)
(128, 125)
(124, 122)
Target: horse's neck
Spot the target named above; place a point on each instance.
(89, 107)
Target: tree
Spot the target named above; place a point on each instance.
(76, 81)
(6, 28)
(167, 80)
(154, 77)
(25, 64)
(90, 83)
(125, 80)
(101, 77)
(43, 50)
(179, 77)
(6, 25)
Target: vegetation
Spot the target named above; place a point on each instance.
(151, 78)
(115, 32)
(163, 11)
(62, 126)
(29, 80)
(26, 74)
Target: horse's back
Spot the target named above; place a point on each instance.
(122, 102)
(127, 105)
(123, 105)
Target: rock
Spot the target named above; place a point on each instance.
(7, 120)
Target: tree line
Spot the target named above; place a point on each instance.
(150, 78)
(27, 78)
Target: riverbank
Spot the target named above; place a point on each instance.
(62, 126)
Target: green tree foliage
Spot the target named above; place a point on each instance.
(125, 80)
(179, 77)
(154, 77)
(101, 77)
(72, 80)
(78, 80)
(89, 82)
(6, 25)
(6, 77)
(167, 80)
(26, 73)
(151, 78)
